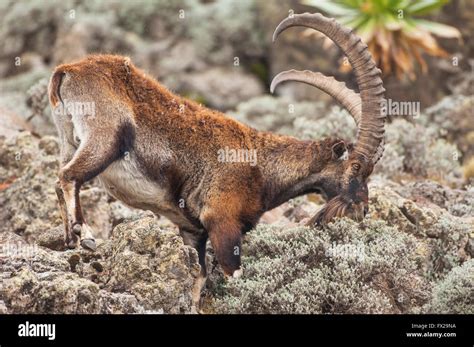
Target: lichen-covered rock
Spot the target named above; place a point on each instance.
(52, 238)
(28, 292)
(152, 264)
(143, 268)
(3, 308)
(56, 292)
(458, 202)
(28, 200)
(385, 204)
(23, 267)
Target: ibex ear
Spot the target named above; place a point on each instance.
(338, 150)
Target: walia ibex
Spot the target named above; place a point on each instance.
(157, 151)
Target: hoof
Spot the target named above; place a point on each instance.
(237, 273)
(76, 229)
(89, 244)
(71, 244)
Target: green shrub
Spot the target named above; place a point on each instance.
(417, 150)
(345, 268)
(448, 239)
(455, 293)
(336, 122)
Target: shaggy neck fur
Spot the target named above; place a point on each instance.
(291, 167)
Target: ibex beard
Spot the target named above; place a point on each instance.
(157, 151)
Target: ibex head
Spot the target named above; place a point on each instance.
(346, 183)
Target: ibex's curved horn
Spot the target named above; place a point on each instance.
(371, 124)
(345, 96)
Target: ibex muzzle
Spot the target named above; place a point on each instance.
(158, 151)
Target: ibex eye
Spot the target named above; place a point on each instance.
(356, 167)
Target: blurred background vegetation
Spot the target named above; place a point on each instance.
(179, 42)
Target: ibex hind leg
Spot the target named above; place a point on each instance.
(67, 148)
(71, 240)
(77, 231)
(96, 152)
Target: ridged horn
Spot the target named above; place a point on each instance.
(371, 125)
(345, 96)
